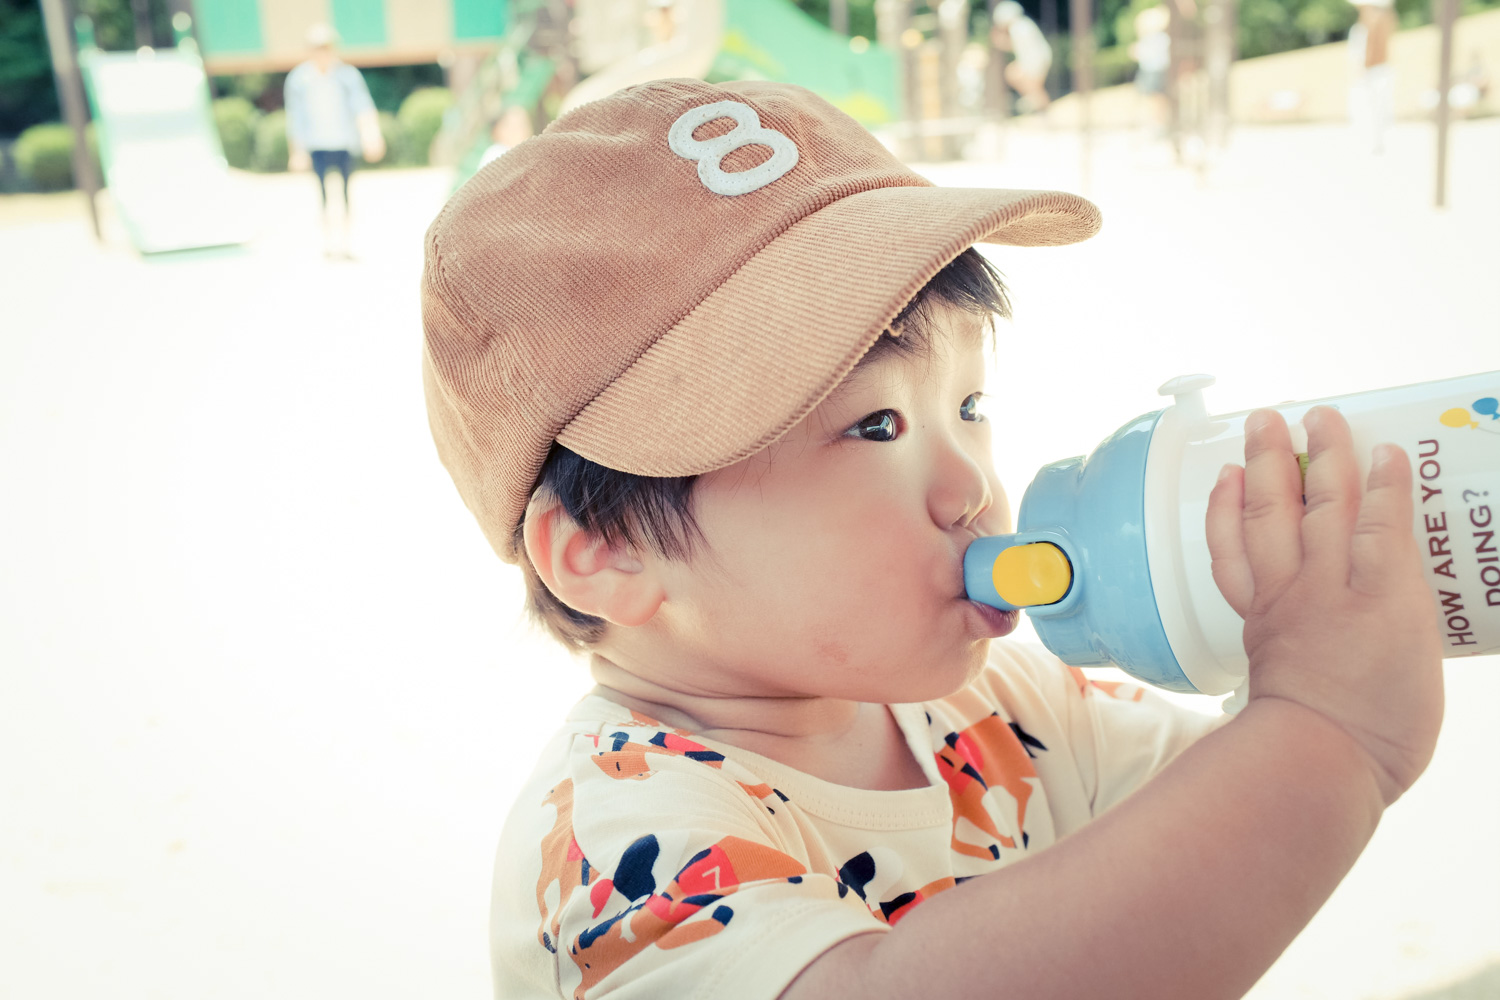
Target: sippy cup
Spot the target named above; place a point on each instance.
(1110, 557)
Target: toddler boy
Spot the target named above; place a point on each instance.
(706, 361)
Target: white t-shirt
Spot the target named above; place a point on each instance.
(1030, 47)
(641, 861)
(328, 112)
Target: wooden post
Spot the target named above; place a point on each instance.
(892, 19)
(953, 34)
(1445, 14)
(1083, 80)
(144, 35)
(1222, 17)
(74, 104)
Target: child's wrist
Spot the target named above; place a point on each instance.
(1326, 749)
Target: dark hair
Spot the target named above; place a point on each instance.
(647, 511)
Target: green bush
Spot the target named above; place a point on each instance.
(236, 119)
(421, 115)
(398, 149)
(44, 157)
(270, 142)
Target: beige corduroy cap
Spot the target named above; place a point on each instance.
(644, 285)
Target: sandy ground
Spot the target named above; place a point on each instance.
(264, 700)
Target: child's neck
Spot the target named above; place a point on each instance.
(846, 742)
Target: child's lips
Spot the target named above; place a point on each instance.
(997, 623)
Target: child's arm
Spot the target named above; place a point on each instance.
(1194, 885)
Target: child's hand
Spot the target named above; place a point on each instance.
(1337, 615)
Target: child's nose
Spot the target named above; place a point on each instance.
(960, 490)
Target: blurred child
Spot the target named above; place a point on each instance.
(1026, 72)
(329, 119)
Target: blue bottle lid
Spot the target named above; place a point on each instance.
(1093, 509)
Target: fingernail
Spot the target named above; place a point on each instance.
(1382, 457)
(1312, 418)
(1256, 422)
(1224, 472)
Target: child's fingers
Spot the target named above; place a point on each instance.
(1383, 549)
(1332, 491)
(1225, 529)
(1273, 504)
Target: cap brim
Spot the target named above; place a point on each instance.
(766, 346)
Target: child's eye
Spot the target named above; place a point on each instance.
(882, 425)
(969, 408)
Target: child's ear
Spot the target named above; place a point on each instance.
(586, 573)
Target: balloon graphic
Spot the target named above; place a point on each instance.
(1488, 404)
(1457, 417)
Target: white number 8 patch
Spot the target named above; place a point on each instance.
(746, 132)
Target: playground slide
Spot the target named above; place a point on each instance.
(162, 160)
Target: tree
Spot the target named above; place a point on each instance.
(27, 94)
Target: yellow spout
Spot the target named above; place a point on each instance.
(1032, 575)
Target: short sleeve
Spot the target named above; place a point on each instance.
(644, 872)
(360, 101)
(292, 98)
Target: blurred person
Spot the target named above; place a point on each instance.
(661, 20)
(1152, 51)
(513, 127)
(1372, 90)
(1031, 55)
(329, 119)
(724, 413)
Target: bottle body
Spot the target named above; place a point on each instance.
(1130, 520)
(1456, 519)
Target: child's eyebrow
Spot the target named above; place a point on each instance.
(884, 349)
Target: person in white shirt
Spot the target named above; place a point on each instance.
(329, 119)
(1372, 78)
(1031, 55)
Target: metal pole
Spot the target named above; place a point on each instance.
(74, 105)
(141, 9)
(1082, 12)
(1446, 13)
(996, 93)
(838, 16)
(1048, 25)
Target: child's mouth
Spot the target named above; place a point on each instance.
(997, 623)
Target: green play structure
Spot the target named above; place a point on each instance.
(774, 40)
(761, 40)
(163, 163)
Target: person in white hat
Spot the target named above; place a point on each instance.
(707, 363)
(1031, 55)
(330, 119)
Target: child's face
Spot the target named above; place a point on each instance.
(834, 559)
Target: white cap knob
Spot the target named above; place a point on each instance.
(1187, 396)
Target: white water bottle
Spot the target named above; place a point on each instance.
(1111, 560)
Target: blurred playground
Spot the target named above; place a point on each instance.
(261, 675)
